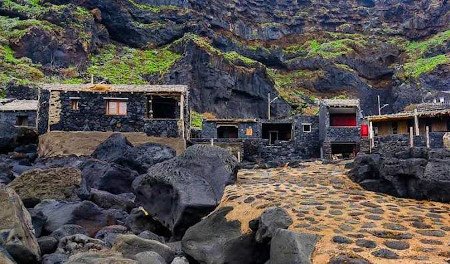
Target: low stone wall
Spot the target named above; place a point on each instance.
(57, 143)
(10, 117)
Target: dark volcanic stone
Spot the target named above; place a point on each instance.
(342, 240)
(290, 247)
(366, 243)
(270, 221)
(348, 259)
(180, 191)
(396, 244)
(435, 233)
(385, 253)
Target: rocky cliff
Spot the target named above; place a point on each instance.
(233, 53)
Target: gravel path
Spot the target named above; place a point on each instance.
(360, 224)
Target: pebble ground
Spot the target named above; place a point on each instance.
(354, 224)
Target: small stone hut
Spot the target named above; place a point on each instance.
(18, 112)
(157, 110)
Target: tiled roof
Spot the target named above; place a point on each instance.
(20, 105)
(341, 102)
(115, 88)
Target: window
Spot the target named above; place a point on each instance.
(162, 107)
(306, 128)
(116, 107)
(277, 132)
(343, 120)
(75, 104)
(22, 121)
(229, 131)
(441, 100)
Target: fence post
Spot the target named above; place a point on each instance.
(411, 137)
(427, 136)
(239, 156)
(212, 141)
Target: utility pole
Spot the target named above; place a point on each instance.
(269, 103)
(379, 105)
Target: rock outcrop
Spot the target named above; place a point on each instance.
(180, 191)
(417, 172)
(17, 234)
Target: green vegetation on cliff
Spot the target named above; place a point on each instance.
(420, 66)
(131, 66)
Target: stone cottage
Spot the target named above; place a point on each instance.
(18, 112)
(157, 110)
(340, 127)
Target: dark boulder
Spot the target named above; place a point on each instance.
(109, 234)
(287, 247)
(8, 137)
(113, 148)
(180, 191)
(68, 230)
(106, 200)
(85, 214)
(55, 258)
(217, 240)
(71, 245)
(47, 244)
(270, 221)
(144, 156)
(106, 176)
(140, 221)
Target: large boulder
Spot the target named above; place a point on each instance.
(107, 176)
(217, 240)
(180, 191)
(17, 234)
(142, 157)
(8, 137)
(106, 200)
(130, 245)
(85, 214)
(287, 247)
(56, 183)
(71, 245)
(139, 221)
(270, 221)
(5, 258)
(113, 148)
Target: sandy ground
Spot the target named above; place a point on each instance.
(58, 143)
(322, 200)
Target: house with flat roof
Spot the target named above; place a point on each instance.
(157, 110)
(340, 127)
(18, 112)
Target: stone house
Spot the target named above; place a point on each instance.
(340, 127)
(18, 112)
(268, 140)
(157, 110)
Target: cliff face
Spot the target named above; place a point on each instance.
(233, 53)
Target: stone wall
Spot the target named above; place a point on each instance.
(21, 92)
(209, 129)
(10, 117)
(55, 114)
(387, 143)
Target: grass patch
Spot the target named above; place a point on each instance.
(237, 58)
(418, 49)
(196, 120)
(424, 65)
(121, 65)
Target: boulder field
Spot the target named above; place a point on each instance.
(131, 204)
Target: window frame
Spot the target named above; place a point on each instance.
(75, 104)
(117, 103)
(306, 124)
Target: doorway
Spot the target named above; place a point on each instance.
(229, 131)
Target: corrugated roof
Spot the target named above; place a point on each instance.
(407, 115)
(341, 102)
(115, 88)
(20, 105)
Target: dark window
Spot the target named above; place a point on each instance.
(162, 107)
(345, 120)
(394, 128)
(275, 132)
(307, 128)
(227, 132)
(22, 121)
(346, 150)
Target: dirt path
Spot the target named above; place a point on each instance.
(322, 200)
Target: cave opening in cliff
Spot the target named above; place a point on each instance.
(227, 131)
(277, 132)
(162, 107)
